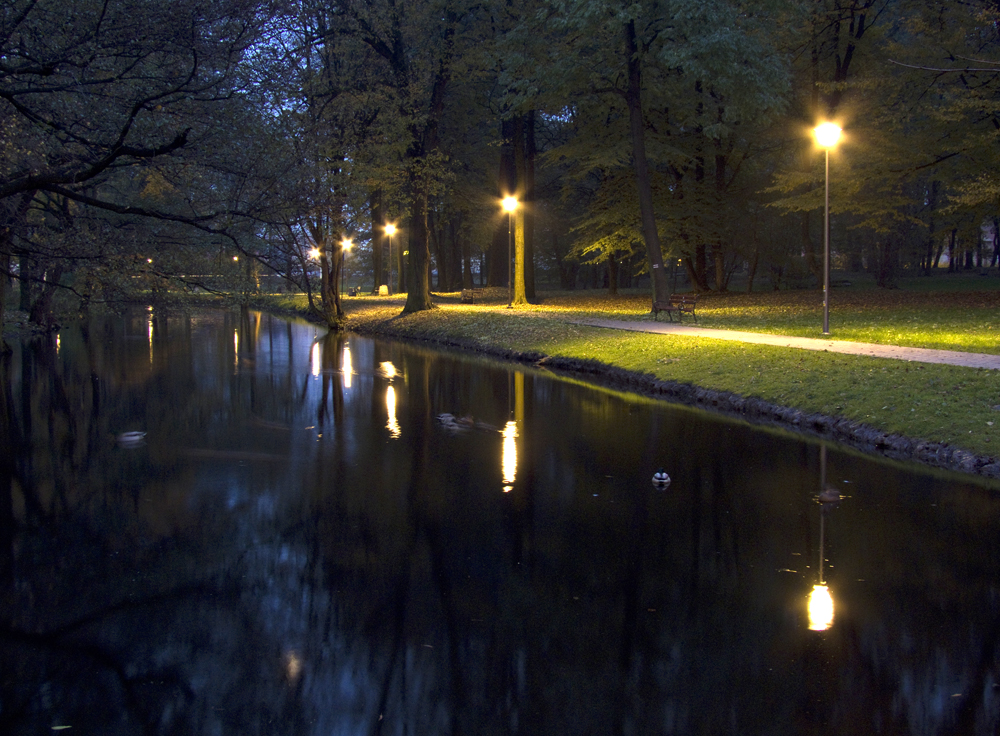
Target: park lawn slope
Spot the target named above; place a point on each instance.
(940, 404)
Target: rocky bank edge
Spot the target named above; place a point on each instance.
(857, 435)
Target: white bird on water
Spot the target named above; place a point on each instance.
(129, 440)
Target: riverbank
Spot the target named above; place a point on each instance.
(941, 416)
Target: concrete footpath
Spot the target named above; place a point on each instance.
(919, 355)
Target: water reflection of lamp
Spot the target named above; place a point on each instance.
(348, 368)
(820, 599)
(390, 403)
(293, 665)
(509, 461)
(316, 360)
(820, 608)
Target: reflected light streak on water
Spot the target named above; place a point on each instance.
(315, 360)
(262, 562)
(149, 331)
(293, 665)
(820, 608)
(236, 347)
(348, 369)
(390, 404)
(509, 462)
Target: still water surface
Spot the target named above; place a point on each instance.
(299, 545)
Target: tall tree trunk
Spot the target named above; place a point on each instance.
(932, 195)
(633, 99)
(378, 240)
(26, 271)
(520, 296)
(530, 153)
(8, 452)
(996, 242)
(418, 296)
(951, 250)
(937, 254)
(455, 255)
(752, 270)
(719, 247)
(41, 308)
(467, 265)
(506, 186)
(438, 244)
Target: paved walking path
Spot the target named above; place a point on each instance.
(919, 355)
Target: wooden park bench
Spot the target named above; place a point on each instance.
(680, 303)
(469, 296)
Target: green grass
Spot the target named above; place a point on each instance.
(933, 402)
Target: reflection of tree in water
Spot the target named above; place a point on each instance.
(130, 589)
(357, 583)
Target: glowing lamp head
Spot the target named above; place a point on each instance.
(314, 253)
(346, 243)
(509, 204)
(390, 229)
(827, 134)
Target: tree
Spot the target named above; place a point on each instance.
(99, 100)
(635, 78)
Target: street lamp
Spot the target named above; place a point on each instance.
(390, 230)
(345, 245)
(827, 136)
(509, 205)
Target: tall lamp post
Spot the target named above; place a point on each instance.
(390, 230)
(827, 135)
(345, 245)
(509, 205)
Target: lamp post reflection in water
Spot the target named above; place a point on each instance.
(316, 359)
(509, 461)
(820, 599)
(390, 404)
(348, 369)
(389, 371)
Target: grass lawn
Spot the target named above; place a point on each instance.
(932, 402)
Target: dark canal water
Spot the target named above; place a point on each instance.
(299, 546)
